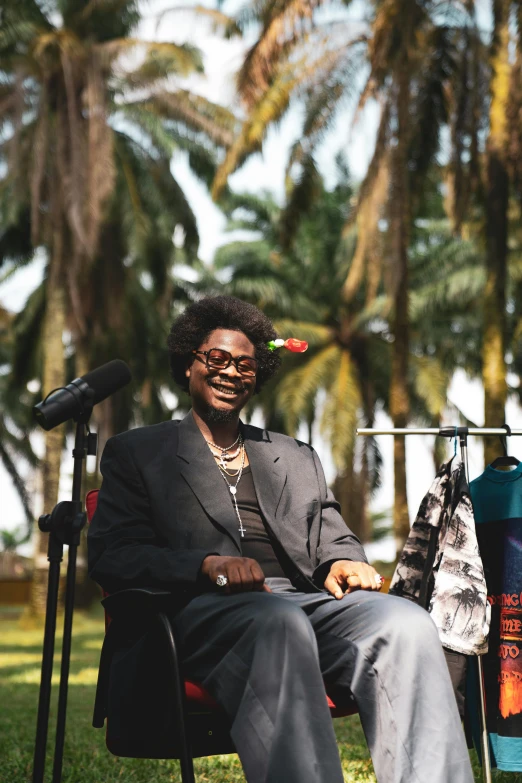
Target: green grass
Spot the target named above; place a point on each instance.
(86, 759)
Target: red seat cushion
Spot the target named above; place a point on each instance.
(90, 503)
(196, 694)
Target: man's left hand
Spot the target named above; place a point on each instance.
(346, 576)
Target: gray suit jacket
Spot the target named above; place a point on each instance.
(163, 508)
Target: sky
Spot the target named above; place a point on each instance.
(265, 171)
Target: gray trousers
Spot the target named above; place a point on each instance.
(265, 658)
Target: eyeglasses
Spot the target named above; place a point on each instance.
(217, 359)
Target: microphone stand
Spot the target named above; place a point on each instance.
(64, 526)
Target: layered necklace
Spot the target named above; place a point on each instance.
(227, 454)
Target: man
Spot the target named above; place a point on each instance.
(276, 597)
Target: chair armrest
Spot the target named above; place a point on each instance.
(137, 603)
(138, 608)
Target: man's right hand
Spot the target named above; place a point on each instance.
(243, 573)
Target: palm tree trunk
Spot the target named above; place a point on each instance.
(349, 488)
(468, 620)
(497, 192)
(53, 377)
(399, 230)
(455, 615)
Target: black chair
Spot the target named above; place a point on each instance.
(197, 726)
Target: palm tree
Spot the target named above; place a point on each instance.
(301, 289)
(467, 597)
(496, 214)
(127, 302)
(409, 51)
(68, 108)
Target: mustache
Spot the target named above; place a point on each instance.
(229, 384)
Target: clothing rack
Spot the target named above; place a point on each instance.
(462, 433)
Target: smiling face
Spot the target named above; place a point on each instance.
(219, 395)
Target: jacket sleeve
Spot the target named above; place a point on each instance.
(124, 550)
(336, 542)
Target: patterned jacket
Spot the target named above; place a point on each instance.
(440, 566)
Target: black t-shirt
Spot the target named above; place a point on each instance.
(258, 543)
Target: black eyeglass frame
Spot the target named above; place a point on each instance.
(234, 359)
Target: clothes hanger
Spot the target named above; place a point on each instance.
(505, 461)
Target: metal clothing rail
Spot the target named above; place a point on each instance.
(444, 432)
(462, 434)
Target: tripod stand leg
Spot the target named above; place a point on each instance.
(55, 553)
(64, 671)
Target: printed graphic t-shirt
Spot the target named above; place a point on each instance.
(497, 505)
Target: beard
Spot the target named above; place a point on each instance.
(218, 416)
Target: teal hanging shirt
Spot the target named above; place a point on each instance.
(497, 506)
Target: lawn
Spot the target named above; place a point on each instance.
(86, 759)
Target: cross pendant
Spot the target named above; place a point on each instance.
(241, 529)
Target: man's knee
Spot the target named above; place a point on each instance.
(278, 612)
(279, 619)
(409, 625)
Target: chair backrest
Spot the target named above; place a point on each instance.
(91, 501)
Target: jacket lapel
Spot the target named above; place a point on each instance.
(268, 472)
(198, 468)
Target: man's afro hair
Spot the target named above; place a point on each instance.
(195, 324)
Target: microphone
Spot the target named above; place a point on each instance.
(77, 398)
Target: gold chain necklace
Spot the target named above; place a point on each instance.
(224, 472)
(233, 488)
(223, 455)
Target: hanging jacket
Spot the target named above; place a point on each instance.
(440, 566)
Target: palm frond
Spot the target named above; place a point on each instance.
(268, 110)
(19, 483)
(220, 21)
(262, 207)
(20, 23)
(263, 291)
(27, 327)
(300, 385)
(431, 384)
(245, 258)
(283, 24)
(160, 62)
(160, 55)
(15, 233)
(376, 310)
(340, 415)
(193, 111)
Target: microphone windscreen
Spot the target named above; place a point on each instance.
(107, 379)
